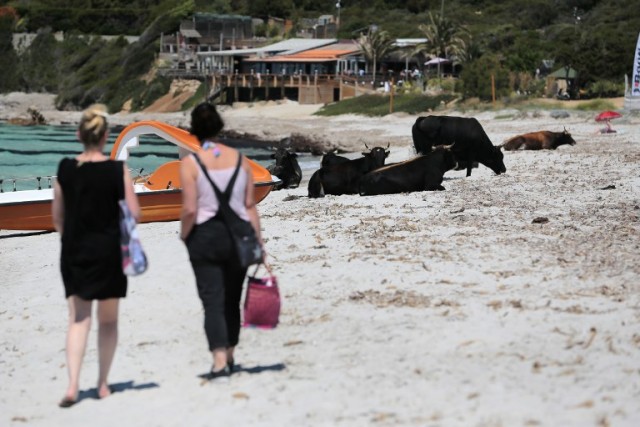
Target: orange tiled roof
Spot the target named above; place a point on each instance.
(312, 55)
(322, 53)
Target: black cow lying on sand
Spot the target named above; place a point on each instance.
(344, 177)
(286, 168)
(542, 140)
(423, 173)
(472, 143)
(332, 159)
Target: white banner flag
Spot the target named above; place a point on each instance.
(635, 77)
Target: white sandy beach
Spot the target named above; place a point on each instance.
(447, 308)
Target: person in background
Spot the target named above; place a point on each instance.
(608, 128)
(219, 276)
(86, 214)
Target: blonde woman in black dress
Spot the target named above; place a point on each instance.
(86, 214)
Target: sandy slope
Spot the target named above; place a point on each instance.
(449, 308)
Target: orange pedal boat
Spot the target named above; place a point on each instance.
(159, 193)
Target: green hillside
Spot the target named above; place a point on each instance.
(508, 38)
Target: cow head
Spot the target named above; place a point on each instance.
(377, 155)
(564, 138)
(494, 160)
(282, 155)
(450, 160)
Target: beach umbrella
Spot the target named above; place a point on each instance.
(438, 61)
(607, 115)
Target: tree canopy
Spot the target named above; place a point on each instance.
(596, 37)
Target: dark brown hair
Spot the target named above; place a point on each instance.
(205, 121)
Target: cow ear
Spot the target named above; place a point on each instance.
(294, 155)
(386, 153)
(364, 153)
(273, 156)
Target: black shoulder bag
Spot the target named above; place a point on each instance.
(242, 232)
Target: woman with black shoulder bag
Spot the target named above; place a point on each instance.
(218, 271)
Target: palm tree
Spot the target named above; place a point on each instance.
(375, 44)
(467, 51)
(444, 38)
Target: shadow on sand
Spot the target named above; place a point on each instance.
(92, 393)
(258, 369)
(34, 233)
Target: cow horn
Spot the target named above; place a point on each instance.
(366, 146)
(388, 145)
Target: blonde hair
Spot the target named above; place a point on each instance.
(93, 125)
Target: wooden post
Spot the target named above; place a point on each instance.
(315, 88)
(391, 97)
(493, 90)
(235, 87)
(282, 87)
(266, 87)
(251, 82)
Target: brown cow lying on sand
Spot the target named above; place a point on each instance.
(542, 140)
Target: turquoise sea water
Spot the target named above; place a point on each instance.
(27, 152)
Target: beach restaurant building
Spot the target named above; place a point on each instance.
(304, 69)
(308, 70)
(256, 60)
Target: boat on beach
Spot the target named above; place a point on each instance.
(159, 193)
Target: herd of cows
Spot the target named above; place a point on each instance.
(442, 143)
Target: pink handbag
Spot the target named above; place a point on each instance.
(262, 301)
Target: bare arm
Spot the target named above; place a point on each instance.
(130, 195)
(188, 176)
(57, 207)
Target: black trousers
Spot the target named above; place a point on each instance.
(219, 278)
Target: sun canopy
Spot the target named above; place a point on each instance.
(435, 61)
(607, 115)
(561, 73)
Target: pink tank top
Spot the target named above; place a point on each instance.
(208, 202)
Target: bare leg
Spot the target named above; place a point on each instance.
(79, 327)
(219, 358)
(230, 359)
(107, 341)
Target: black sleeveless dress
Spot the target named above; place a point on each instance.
(90, 260)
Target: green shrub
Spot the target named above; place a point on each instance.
(444, 84)
(38, 74)
(261, 30)
(8, 57)
(596, 105)
(476, 78)
(605, 89)
(196, 99)
(379, 105)
(274, 31)
(145, 95)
